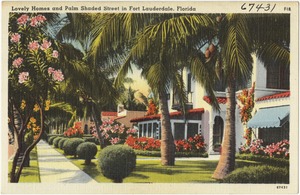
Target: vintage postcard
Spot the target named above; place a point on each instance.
(150, 97)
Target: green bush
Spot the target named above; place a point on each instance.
(71, 144)
(279, 162)
(55, 141)
(61, 143)
(116, 162)
(86, 151)
(91, 139)
(258, 174)
(50, 140)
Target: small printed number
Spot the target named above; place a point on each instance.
(281, 187)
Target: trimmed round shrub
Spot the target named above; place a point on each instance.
(116, 162)
(86, 151)
(50, 140)
(91, 139)
(71, 144)
(258, 174)
(61, 143)
(55, 141)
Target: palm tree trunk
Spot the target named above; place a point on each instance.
(97, 125)
(227, 159)
(167, 141)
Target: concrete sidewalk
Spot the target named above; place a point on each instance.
(55, 168)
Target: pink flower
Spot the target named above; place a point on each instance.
(34, 22)
(57, 75)
(55, 54)
(37, 20)
(114, 140)
(133, 131)
(17, 62)
(23, 19)
(33, 45)
(40, 18)
(50, 70)
(15, 37)
(23, 76)
(45, 45)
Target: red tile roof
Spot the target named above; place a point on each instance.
(274, 96)
(109, 113)
(172, 114)
(221, 100)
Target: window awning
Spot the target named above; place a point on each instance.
(270, 117)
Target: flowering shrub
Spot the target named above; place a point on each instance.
(143, 143)
(193, 144)
(277, 150)
(246, 106)
(74, 131)
(113, 132)
(151, 108)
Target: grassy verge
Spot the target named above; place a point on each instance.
(151, 171)
(29, 174)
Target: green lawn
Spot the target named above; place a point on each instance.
(150, 171)
(29, 174)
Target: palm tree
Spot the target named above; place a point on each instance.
(91, 82)
(159, 52)
(239, 36)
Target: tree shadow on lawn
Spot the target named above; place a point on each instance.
(185, 167)
(91, 169)
(245, 163)
(181, 167)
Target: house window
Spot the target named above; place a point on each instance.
(156, 130)
(278, 77)
(175, 101)
(140, 130)
(192, 129)
(179, 129)
(218, 132)
(189, 83)
(145, 130)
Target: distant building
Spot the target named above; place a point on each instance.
(122, 115)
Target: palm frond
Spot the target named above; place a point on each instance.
(274, 54)
(64, 107)
(236, 48)
(123, 71)
(205, 74)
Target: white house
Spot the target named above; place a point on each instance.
(271, 96)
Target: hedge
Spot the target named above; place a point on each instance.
(177, 154)
(71, 144)
(258, 174)
(279, 162)
(61, 142)
(116, 162)
(86, 151)
(50, 140)
(56, 140)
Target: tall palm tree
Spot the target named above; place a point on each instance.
(239, 36)
(91, 83)
(159, 50)
(156, 44)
